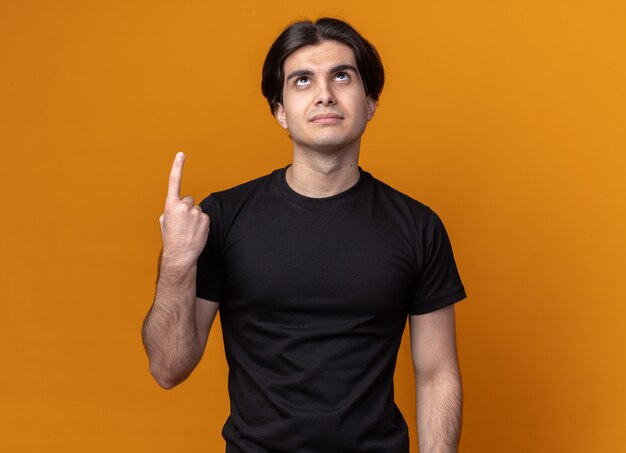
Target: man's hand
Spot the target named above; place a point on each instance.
(184, 227)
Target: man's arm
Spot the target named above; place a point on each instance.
(175, 333)
(177, 326)
(437, 380)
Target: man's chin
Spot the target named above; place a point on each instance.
(326, 146)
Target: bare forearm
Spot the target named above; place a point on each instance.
(169, 330)
(439, 411)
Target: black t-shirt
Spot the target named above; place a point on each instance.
(314, 295)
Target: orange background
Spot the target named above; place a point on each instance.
(507, 117)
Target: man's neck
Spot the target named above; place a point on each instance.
(319, 175)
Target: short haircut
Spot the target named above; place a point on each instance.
(306, 33)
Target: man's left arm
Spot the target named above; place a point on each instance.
(437, 380)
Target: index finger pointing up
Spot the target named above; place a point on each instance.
(173, 190)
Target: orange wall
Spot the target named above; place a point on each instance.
(507, 117)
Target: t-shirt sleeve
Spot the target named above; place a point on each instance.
(210, 281)
(438, 282)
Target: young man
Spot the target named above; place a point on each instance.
(314, 269)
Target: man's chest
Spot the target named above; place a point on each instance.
(337, 260)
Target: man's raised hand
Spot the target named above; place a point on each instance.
(184, 227)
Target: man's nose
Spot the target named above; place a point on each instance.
(325, 95)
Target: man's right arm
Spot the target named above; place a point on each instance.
(176, 329)
(177, 326)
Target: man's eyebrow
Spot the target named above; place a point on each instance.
(309, 73)
(344, 67)
(299, 73)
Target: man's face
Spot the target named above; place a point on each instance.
(324, 103)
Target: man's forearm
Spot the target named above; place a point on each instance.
(169, 330)
(439, 411)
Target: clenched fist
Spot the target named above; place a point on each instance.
(184, 227)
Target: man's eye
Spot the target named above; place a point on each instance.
(342, 76)
(302, 81)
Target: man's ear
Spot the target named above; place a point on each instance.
(279, 113)
(371, 107)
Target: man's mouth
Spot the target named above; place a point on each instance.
(326, 118)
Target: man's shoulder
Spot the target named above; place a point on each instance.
(400, 200)
(241, 191)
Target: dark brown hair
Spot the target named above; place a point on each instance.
(306, 33)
